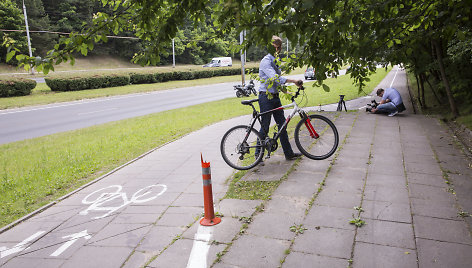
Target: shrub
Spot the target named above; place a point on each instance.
(203, 74)
(137, 78)
(117, 80)
(97, 82)
(57, 84)
(78, 83)
(16, 87)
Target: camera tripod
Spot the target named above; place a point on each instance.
(341, 103)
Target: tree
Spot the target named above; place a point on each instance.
(38, 21)
(329, 33)
(11, 18)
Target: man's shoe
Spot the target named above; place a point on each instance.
(393, 114)
(293, 156)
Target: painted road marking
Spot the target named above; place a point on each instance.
(4, 251)
(394, 77)
(98, 199)
(200, 248)
(72, 240)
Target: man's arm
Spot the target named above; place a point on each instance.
(298, 83)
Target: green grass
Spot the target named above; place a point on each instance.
(35, 172)
(342, 86)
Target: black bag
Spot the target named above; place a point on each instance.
(401, 107)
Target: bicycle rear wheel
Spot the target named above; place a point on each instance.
(321, 144)
(239, 145)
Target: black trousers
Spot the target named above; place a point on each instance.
(267, 104)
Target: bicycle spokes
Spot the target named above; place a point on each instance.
(316, 137)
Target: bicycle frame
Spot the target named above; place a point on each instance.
(296, 109)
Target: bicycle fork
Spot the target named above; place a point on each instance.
(309, 126)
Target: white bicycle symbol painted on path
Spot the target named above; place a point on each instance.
(111, 194)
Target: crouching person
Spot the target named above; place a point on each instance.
(391, 102)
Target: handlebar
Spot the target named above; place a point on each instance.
(297, 93)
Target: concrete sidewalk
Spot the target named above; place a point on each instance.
(406, 176)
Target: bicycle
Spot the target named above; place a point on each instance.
(242, 147)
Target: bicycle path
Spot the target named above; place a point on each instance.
(146, 213)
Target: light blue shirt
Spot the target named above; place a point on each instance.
(393, 95)
(269, 73)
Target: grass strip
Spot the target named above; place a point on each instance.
(37, 171)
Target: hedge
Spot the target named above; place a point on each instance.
(81, 83)
(16, 87)
(101, 81)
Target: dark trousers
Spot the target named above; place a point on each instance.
(266, 104)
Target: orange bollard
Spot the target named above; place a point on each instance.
(209, 219)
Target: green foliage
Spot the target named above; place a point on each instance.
(328, 35)
(38, 20)
(357, 221)
(16, 87)
(11, 42)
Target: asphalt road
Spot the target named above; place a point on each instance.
(31, 122)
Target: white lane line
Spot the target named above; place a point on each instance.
(99, 111)
(200, 248)
(394, 77)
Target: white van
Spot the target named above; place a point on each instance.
(220, 62)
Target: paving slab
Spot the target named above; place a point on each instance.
(300, 259)
(393, 167)
(386, 211)
(93, 256)
(372, 256)
(442, 230)
(387, 233)
(386, 193)
(434, 209)
(255, 251)
(329, 242)
(332, 217)
(433, 253)
(427, 192)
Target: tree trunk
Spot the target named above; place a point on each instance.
(419, 90)
(422, 90)
(452, 103)
(434, 91)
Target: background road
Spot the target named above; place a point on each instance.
(31, 122)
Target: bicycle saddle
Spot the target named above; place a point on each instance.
(247, 102)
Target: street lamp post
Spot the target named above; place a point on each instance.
(27, 34)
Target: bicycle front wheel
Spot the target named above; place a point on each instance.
(316, 137)
(241, 147)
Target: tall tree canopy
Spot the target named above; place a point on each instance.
(330, 33)
(10, 15)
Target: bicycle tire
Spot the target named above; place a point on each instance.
(240, 154)
(317, 148)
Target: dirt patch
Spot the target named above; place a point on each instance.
(464, 135)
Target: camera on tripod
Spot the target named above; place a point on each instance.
(371, 106)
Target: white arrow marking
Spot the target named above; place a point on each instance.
(4, 251)
(73, 238)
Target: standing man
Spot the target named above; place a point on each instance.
(391, 102)
(269, 74)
